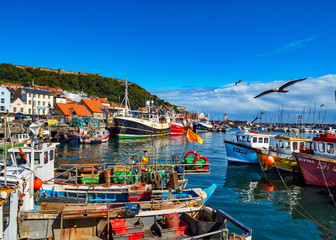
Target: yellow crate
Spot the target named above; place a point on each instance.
(89, 175)
(121, 168)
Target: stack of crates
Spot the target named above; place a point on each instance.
(121, 173)
(127, 228)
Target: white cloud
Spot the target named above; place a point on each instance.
(290, 47)
(239, 100)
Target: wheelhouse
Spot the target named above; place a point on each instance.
(254, 139)
(287, 145)
(21, 137)
(324, 146)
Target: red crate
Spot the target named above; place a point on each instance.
(181, 229)
(135, 236)
(120, 230)
(118, 223)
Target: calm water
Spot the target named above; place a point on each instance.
(273, 212)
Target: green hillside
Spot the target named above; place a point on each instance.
(110, 88)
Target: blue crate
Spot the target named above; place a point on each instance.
(132, 208)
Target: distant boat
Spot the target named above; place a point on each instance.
(97, 136)
(243, 149)
(202, 126)
(318, 166)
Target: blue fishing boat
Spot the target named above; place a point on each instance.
(243, 149)
(202, 126)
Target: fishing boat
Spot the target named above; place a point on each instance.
(176, 128)
(97, 136)
(20, 137)
(280, 157)
(142, 125)
(243, 149)
(202, 125)
(121, 221)
(318, 165)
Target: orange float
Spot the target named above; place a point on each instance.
(269, 160)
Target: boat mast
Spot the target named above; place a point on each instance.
(5, 149)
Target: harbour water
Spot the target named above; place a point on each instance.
(274, 211)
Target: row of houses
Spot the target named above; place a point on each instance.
(18, 101)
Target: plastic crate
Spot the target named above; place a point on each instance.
(118, 222)
(132, 208)
(129, 236)
(126, 225)
(171, 232)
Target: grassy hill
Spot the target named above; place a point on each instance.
(93, 84)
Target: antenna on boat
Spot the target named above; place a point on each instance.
(5, 149)
(125, 100)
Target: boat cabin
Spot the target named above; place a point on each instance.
(287, 145)
(101, 133)
(324, 145)
(44, 159)
(9, 203)
(254, 139)
(20, 137)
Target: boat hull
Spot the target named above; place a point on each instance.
(282, 162)
(237, 153)
(92, 140)
(317, 171)
(176, 128)
(200, 127)
(139, 128)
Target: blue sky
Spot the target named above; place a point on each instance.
(179, 46)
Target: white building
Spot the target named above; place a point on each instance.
(5, 98)
(75, 96)
(18, 106)
(37, 101)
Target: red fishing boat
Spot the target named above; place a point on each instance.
(177, 128)
(318, 165)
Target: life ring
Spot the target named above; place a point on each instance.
(204, 166)
(158, 178)
(151, 177)
(74, 132)
(189, 152)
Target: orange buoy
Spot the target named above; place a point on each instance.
(269, 187)
(269, 160)
(37, 183)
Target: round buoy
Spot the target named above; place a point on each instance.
(269, 160)
(37, 183)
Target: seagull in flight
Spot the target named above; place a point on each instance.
(237, 82)
(280, 89)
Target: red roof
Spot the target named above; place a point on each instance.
(93, 105)
(79, 110)
(102, 100)
(12, 85)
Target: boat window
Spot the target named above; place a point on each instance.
(302, 145)
(280, 144)
(330, 148)
(45, 157)
(51, 155)
(315, 146)
(309, 145)
(37, 158)
(295, 146)
(260, 140)
(248, 139)
(321, 147)
(266, 140)
(287, 145)
(255, 139)
(6, 215)
(243, 138)
(238, 138)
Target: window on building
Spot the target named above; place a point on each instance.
(2, 108)
(29, 102)
(48, 97)
(29, 94)
(43, 96)
(34, 103)
(330, 148)
(2, 100)
(21, 110)
(38, 111)
(38, 103)
(321, 147)
(29, 111)
(43, 111)
(2, 93)
(43, 102)
(14, 109)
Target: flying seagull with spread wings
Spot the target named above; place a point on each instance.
(280, 89)
(237, 82)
